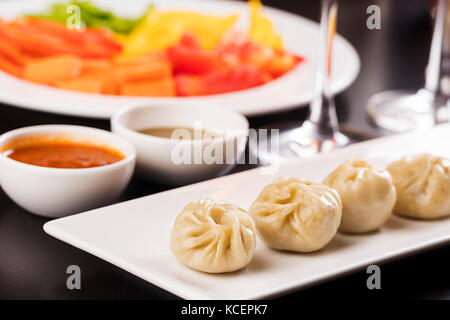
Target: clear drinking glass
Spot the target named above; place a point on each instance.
(320, 132)
(405, 110)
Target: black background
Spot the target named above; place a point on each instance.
(33, 264)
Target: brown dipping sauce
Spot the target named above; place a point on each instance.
(167, 132)
(65, 155)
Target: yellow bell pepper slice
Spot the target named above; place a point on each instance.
(160, 30)
(208, 29)
(261, 28)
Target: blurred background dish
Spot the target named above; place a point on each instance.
(300, 36)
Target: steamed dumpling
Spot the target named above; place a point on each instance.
(213, 237)
(296, 215)
(368, 195)
(423, 186)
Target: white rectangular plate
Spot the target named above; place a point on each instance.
(134, 235)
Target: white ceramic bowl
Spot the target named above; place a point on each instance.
(54, 192)
(155, 155)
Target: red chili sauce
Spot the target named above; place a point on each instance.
(67, 155)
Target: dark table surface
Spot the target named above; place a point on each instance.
(33, 264)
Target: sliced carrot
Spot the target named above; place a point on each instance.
(41, 43)
(101, 36)
(96, 65)
(144, 71)
(13, 53)
(122, 71)
(164, 87)
(132, 61)
(49, 27)
(89, 85)
(44, 44)
(110, 86)
(10, 67)
(52, 69)
(106, 76)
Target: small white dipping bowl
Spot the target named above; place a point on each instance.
(55, 192)
(155, 155)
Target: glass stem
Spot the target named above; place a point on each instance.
(322, 115)
(434, 72)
